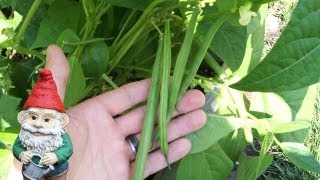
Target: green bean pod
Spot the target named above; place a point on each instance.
(194, 65)
(179, 70)
(149, 120)
(164, 90)
(181, 63)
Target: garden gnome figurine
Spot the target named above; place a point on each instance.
(43, 146)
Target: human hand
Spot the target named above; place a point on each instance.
(49, 159)
(25, 157)
(99, 139)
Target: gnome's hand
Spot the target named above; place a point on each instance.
(25, 157)
(49, 159)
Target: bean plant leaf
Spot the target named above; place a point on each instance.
(95, 59)
(248, 166)
(300, 155)
(8, 112)
(5, 3)
(210, 164)
(67, 36)
(167, 173)
(19, 75)
(229, 43)
(266, 145)
(60, 16)
(8, 138)
(216, 128)
(76, 84)
(234, 144)
(290, 126)
(294, 99)
(306, 110)
(294, 62)
(274, 105)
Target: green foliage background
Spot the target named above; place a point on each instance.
(110, 43)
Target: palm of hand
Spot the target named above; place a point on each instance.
(99, 145)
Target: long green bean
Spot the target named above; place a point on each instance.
(164, 93)
(179, 70)
(181, 62)
(149, 119)
(194, 66)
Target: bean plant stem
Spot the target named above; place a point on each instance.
(124, 27)
(26, 22)
(86, 41)
(135, 68)
(24, 50)
(93, 12)
(108, 80)
(138, 25)
(213, 64)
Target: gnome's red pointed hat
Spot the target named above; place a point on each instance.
(44, 93)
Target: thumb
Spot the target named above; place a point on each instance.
(57, 62)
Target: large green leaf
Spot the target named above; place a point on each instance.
(167, 173)
(76, 85)
(248, 166)
(8, 112)
(300, 155)
(229, 43)
(294, 99)
(95, 59)
(210, 164)
(216, 128)
(294, 62)
(62, 14)
(266, 145)
(5, 3)
(8, 138)
(20, 73)
(65, 37)
(289, 127)
(280, 112)
(234, 144)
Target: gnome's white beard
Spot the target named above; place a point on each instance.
(49, 140)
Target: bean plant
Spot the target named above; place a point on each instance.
(253, 102)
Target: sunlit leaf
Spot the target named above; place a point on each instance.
(216, 128)
(294, 61)
(210, 164)
(300, 155)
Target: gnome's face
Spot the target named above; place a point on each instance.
(42, 129)
(42, 118)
